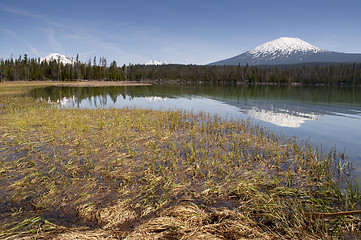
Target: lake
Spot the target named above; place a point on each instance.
(329, 117)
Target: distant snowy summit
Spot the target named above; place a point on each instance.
(58, 57)
(284, 46)
(155, 62)
(287, 50)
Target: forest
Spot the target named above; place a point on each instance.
(31, 69)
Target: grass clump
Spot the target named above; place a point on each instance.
(144, 174)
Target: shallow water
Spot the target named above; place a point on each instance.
(330, 117)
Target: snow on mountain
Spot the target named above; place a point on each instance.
(287, 50)
(284, 45)
(155, 62)
(58, 57)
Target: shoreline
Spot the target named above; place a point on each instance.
(81, 83)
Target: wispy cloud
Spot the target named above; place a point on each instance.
(13, 34)
(121, 41)
(35, 16)
(57, 33)
(20, 12)
(54, 42)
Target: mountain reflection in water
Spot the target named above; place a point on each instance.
(281, 117)
(327, 116)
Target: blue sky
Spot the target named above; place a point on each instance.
(176, 31)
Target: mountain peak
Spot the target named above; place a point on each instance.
(64, 59)
(288, 50)
(285, 45)
(155, 62)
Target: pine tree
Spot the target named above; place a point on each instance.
(77, 67)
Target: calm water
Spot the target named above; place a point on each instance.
(327, 116)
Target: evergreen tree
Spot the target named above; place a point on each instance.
(25, 68)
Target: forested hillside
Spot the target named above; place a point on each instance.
(31, 69)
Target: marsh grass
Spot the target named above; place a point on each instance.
(144, 174)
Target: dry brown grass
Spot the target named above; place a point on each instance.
(143, 174)
(185, 221)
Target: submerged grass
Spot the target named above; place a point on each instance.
(144, 174)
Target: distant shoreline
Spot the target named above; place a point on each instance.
(76, 83)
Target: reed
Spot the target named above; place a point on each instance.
(142, 173)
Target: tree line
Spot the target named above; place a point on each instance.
(30, 69)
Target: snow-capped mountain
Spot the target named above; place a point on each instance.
(155, 62)
(284, 46)
(58, 57)
(286, 50)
